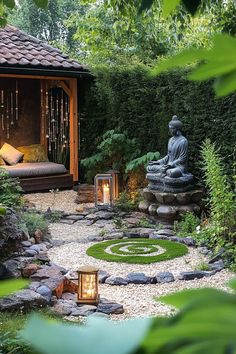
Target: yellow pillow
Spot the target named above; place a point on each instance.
(33, 153)
(11, 155)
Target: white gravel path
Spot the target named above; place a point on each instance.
(138, 300)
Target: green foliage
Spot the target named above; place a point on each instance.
(53, 215)
(217, 62)
(126, 98)
(11, 324)
(113, 152)
(221, 197)
(141, 161)
(144, 222)
(127, 201)
(34, 221)
(203, 266)
(10, 286)
(47, 23)
(2, 210)
(138, 247)
(98, 337)
(187, 225)
(205, 323)
(10, 190)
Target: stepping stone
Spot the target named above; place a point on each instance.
(67, 221)
(197, 274)
(83, 310)
(74, 217)
(138, 278)
(164, 277)
(116, 281)
(166, 232)
(108, 307)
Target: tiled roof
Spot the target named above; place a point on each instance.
(18, 49)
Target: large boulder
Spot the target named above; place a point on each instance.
(23, 300)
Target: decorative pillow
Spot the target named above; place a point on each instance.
(33, 153)
(11, 155)
(2, 162)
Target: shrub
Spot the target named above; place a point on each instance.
(221, 197)
(34, 221)
(187, 225)
(10, 190)
(113, 152)
(128, 201)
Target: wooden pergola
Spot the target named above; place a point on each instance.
(23, 57)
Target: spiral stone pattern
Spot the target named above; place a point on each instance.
(137, 251)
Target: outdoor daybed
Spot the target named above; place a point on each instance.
(40, 175)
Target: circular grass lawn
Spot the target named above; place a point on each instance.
(137, 251)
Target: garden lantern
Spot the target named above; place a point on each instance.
(115, 183)
(103, 190)
(87, 285)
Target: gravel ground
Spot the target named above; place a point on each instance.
(138, 300)
(64, 201)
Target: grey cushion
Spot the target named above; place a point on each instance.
(35, 169)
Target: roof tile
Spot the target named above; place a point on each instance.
(19, 49)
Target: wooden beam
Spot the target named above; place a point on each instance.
(21, 76)
(74, 146)
(63, 85)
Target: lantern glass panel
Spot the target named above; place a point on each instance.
(88, 286)
(104, 190)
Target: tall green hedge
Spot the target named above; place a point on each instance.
(129, 99)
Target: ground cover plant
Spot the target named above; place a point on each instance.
(10, 190)
(137, 251)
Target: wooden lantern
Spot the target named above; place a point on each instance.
(87, 285)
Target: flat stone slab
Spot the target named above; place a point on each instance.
(74, 217)
(67, 221)
(138, 278)
(165, 232)
(64, 307)
(198, 274)
(138, 232)
(116, 281)
(164, 277)
(83, 310)
(110, 307)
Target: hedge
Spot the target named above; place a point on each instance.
(128, 99)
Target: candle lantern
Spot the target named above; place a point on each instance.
(103, 190)
(115, 183)
(87, 285)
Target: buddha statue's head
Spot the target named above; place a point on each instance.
(175, 126)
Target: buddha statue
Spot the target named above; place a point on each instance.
(170, 174)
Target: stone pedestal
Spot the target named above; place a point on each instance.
(171, 206)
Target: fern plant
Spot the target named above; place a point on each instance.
(141, 162)
(221, 196)
(114, 152)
